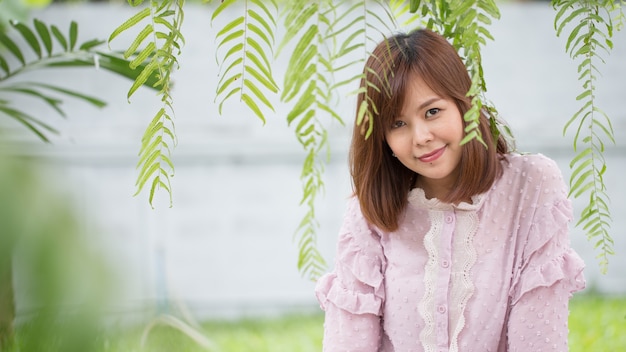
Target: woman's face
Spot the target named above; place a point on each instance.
(426, 137)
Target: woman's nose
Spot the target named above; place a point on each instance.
(421, 133)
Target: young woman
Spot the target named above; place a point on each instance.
(445, 247)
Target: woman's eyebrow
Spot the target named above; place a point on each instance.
(428, 102)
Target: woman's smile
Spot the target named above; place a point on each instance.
(432, 156)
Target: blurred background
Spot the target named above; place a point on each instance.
(225, 249)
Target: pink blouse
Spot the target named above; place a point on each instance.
(494, 275)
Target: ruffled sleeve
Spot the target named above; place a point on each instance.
(352, 294)
(548, 272)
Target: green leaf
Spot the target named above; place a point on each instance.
(143, 77)
(3, 65)
(74, 94)
(258, 93)
(44, 34)
(59, 36)
(223, 6)
(144, 55)
(132, 48)
(261, 79)
(29, 36)
(73, 35)
(12, 47)
(121, 66)
(52, 102)
(268, 30)
(129, 23)
(88, 45)
(230, 26)
(30, 122)
(253, 106)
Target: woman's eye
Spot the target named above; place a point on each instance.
(432, 112)
(397, 124)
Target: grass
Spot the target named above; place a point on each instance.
(596, 324)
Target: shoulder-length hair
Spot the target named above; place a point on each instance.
(379, 180)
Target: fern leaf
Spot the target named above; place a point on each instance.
(59, 37)
(131, 22)
(35, 125)
(132, 48)
(73, 35)
(157, 58)
(4, 65)
(44, 35)
(584, 43)
(12, 47)
(246, 39)
(29, 36)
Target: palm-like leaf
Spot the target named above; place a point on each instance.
(590, 36)
(158, 43)
(51, 48)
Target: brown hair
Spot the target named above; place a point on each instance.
(380, 181)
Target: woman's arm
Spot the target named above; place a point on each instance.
(352, 295)
(538, 321)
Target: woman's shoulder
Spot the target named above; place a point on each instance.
(530, 160)
(532, 172)
(532, 166)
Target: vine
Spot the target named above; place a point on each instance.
(246, 68)
(591, 35)
(162, 41)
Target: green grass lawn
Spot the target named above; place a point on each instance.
(596, 324)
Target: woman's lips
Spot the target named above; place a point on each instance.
(432, 156)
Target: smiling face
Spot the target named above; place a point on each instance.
(426, 137)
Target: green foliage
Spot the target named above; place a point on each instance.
(329, 39)
(51, 48)
(375, 29)
(465, 23)
(590, 37)
(62, 281)
(332, 38)
(245, 69)
(158, 43)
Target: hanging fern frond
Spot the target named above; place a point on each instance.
(245, 69)
(376, 28)
(158, 44)
(51, 48)
(330, 34)
(464, 23)
(590, 36)
(302, 85)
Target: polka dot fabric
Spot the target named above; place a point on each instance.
(494, 274)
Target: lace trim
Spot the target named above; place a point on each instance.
(425, 306)
(463, 288)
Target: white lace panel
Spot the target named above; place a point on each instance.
(426, 306)
(461, 286)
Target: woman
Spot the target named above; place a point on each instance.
(445, 247)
